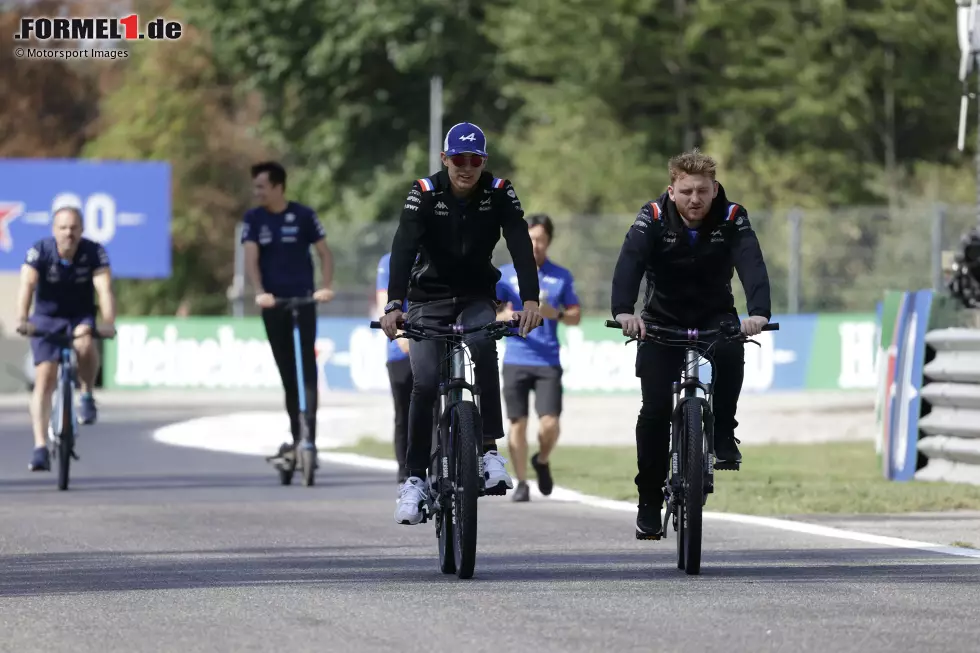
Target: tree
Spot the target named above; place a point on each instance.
(49, 105)
(174, 104)
(346, 88)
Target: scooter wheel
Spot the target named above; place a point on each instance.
(308, 462)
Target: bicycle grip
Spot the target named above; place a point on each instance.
(375, 325)
(613, 324)
(773, 326)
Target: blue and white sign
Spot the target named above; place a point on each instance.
(125, 206)
(905, 401)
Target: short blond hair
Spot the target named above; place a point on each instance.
(694, 162)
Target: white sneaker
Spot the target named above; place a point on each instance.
(496, 480)
(411, 497)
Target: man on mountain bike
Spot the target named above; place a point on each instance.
(688, 241)
(449, 227)
(62, 275)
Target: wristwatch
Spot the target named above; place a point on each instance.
(393, 305)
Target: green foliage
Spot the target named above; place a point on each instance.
(173, 105)
(817, 104)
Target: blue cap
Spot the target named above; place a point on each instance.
(463, 138)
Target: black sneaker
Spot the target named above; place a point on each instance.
(727, 455)
(545, 483)
(649, 525)
(40, 460)
(521, 492)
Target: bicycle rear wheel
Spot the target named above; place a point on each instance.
(467, 439)
(691, 514)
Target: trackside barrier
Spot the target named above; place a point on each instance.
(950, 418)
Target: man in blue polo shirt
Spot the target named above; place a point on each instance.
(62, 276)
(534, 363)
(399, 373)
(277, 235)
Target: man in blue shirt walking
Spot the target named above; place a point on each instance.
(534, 363)
(277, 235)
(399, 373)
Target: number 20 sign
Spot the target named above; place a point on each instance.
(125, 207)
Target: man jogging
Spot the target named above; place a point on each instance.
(534, 363)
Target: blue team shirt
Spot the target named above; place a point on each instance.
(284, 241)
(394, 352)
(65, 288)
(541, 346)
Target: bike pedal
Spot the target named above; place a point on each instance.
(727, 466)
(498, 491)
(640, 536)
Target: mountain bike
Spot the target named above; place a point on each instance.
(300, 454)
(63, 427)
(456, 477)
(691, 477)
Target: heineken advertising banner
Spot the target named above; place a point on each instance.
(809, 352)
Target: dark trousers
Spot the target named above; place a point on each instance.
(400, 376)
(426, 356)
(279, 330)
(658, 366)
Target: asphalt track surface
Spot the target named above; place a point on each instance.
(160, 548)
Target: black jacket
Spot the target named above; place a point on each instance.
(688, 284)
(452, 246)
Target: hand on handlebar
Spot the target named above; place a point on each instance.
(265, 300)
(107, 330)
(390, 323)
(25, 328)
(323, 295)
(529, 318)
(752, 326)
(633, 326)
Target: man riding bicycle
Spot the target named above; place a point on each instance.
(449, 227)
(61, 275)
(687, 242)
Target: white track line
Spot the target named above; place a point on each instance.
(191, 434)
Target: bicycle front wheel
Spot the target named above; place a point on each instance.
(691, 515)
(466, 433)
(66, 437)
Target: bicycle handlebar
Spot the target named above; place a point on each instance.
(424, 331)
(692, 335)
(65, 337)
(290, 302)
